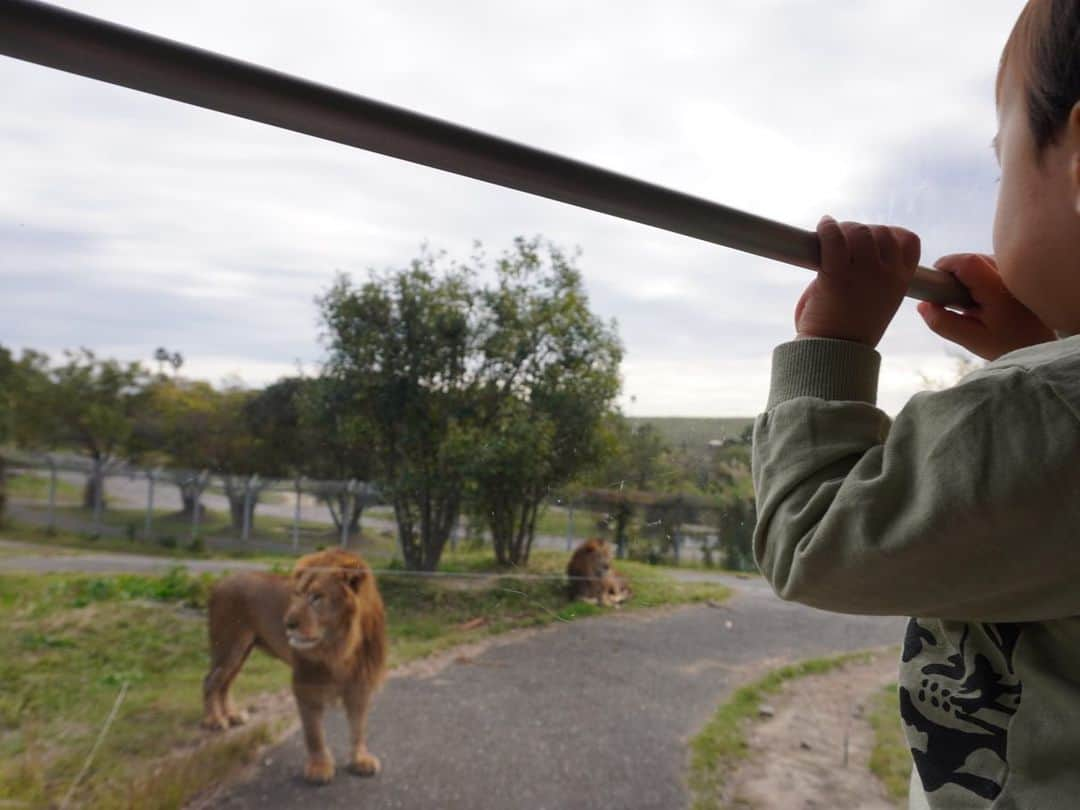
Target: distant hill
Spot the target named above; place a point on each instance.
(694, 431)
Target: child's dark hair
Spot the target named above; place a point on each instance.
(1045, 43)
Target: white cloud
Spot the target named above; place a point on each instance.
(129, 221)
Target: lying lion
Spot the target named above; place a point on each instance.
(326, 621)
(591, 577)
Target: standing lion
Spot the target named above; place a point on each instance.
(326, 621)
(591, 577)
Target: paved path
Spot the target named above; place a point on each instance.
(592, 714)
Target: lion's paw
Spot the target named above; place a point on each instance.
(365, 765)
(237, 718)
(215, 723)
(319, 771)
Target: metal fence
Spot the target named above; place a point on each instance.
(169, 506)
(222, 511)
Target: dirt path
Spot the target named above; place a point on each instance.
(814, 752)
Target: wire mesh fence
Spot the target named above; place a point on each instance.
(206, 510)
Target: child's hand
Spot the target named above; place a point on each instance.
(997, 324)
(865, 271)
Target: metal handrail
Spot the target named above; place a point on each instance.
(67, 40)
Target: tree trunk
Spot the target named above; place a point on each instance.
(189, 496)
(410, 548)
(358, 510)
(513, 527)
(3, 489)
(623, 511)
(94, 480)
(236, 512)
(423, 541)
(338, 504)
(237, 498)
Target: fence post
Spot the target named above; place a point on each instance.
(249, 484)
(346, 511)
(99, 494)
(570, 526)
(200, 484)
(150, 476)
(296, 517)
(52, 493)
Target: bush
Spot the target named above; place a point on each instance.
(168, 541)
(176, 586)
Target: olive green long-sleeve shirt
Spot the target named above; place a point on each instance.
(963, 512)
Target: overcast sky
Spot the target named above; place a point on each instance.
(129, 222)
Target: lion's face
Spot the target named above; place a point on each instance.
(321, 606)
(601, 561)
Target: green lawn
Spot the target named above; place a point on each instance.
(695, 431)
(68, 644)
(124, 531)
(266, 496)
(890, 759)
(36, 487)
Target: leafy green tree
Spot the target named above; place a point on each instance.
(548, 373)
(7, 417)
(175, 427)
(24, 418)
(239, 454)
(87, 403)
(735, 523)
(400, 346)
(336, 446)
(633, 456)
(194, 426)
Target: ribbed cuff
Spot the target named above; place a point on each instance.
(826, 369)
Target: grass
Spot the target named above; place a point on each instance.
(172, 535)
(68, 643)
(890, 759)
(722, 742)
(552, 520)
(694, 431)
(428, 616)
(212, 523)
(266, 496)
(68, 541)
(36, 487)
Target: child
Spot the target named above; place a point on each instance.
(964, 511)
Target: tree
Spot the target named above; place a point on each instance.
(197, 427)
(24, 420)
(163, 357)
(735, 524)
(632, 456)
(7, 417)
(176, 425)
(399, 347)
(337, 447)
(238, 454)
(548, 372)
(89, 403)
